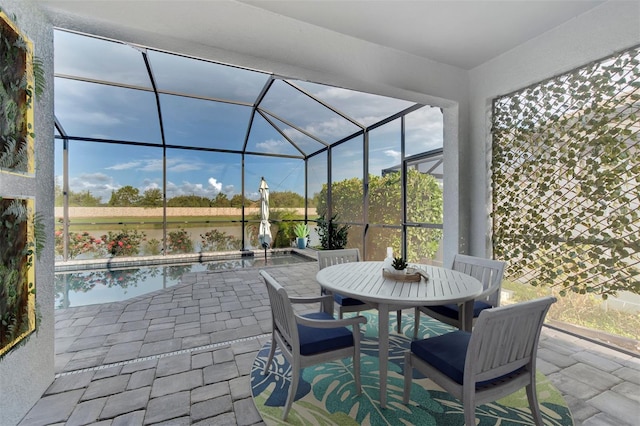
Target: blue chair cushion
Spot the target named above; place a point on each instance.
(317, 340)
(452, 311)
(346, 301)
(447, 353)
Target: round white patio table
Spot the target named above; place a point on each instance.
(364, 281)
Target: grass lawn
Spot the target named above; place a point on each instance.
(582, 310)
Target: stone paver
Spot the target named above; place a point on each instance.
(219, 372)
(133, 418)
(141, 379)
(70, 382)
(168, 407)
(106, 387)
(173, 365)
(627, 410)
(211, 408)
(122, 352)
(179, 359)
(54, 408)
(176, 383)
(86, 412)
(126, 402)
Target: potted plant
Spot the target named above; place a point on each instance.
(399, 264)
(301, 231)
(332, 236)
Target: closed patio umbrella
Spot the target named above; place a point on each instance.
(264, 235)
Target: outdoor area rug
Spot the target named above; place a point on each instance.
(326, 393)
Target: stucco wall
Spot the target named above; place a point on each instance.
(600, 32)
(26, 372)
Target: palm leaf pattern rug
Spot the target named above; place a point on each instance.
(326, 393)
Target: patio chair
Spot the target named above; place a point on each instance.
(495, 360)
(488, 272)
(346, 304)
(309, 339)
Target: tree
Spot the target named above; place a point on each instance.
(286, 199)
(152, 197)
(127, 196)
(189, 201)
(76, 199)
(83, 199)
(236, 201)
(347, 197)
(221, 200)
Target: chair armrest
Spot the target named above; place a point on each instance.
(355, 321)
(311, 299)
(487, 292)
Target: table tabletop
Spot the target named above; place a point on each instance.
(364, 281)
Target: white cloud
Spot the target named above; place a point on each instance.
(98, 184)
(210, 190)
(273, 146)
(215, 184)
(125, 166)
(395, 155)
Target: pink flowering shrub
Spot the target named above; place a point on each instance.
(178, 241)
(125, 242)
(79, 243)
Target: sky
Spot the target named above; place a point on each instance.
(109, 112)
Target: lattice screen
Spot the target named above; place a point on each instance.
(566, 179)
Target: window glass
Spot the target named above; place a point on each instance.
(424, 131)
(204, 201)
(385, 186)
(365, 108)
(355, 237)
(109, 191)
(202, 174)
(281, 174)
(378, 239)
(285, 178)
(317, 184)
(98, 59)
(100, 111)
(293, 106)
(346, 177)
(424, 245)
(264, 138)
(206, 124)
(205, 79)
(305, 143)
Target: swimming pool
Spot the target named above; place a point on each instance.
(106, 285)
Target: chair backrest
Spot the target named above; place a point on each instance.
(489, 272)
(505, 339)
(284, 320)
(334, 257)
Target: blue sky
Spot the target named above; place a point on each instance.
(106, 111)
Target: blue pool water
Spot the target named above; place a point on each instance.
(89, 287)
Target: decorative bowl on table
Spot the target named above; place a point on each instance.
(408, 274)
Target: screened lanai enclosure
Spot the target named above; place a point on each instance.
(158, 153)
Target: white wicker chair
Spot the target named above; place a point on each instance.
(309, 339)
(488, 272)
(495, 360)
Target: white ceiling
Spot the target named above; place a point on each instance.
(464, 34)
